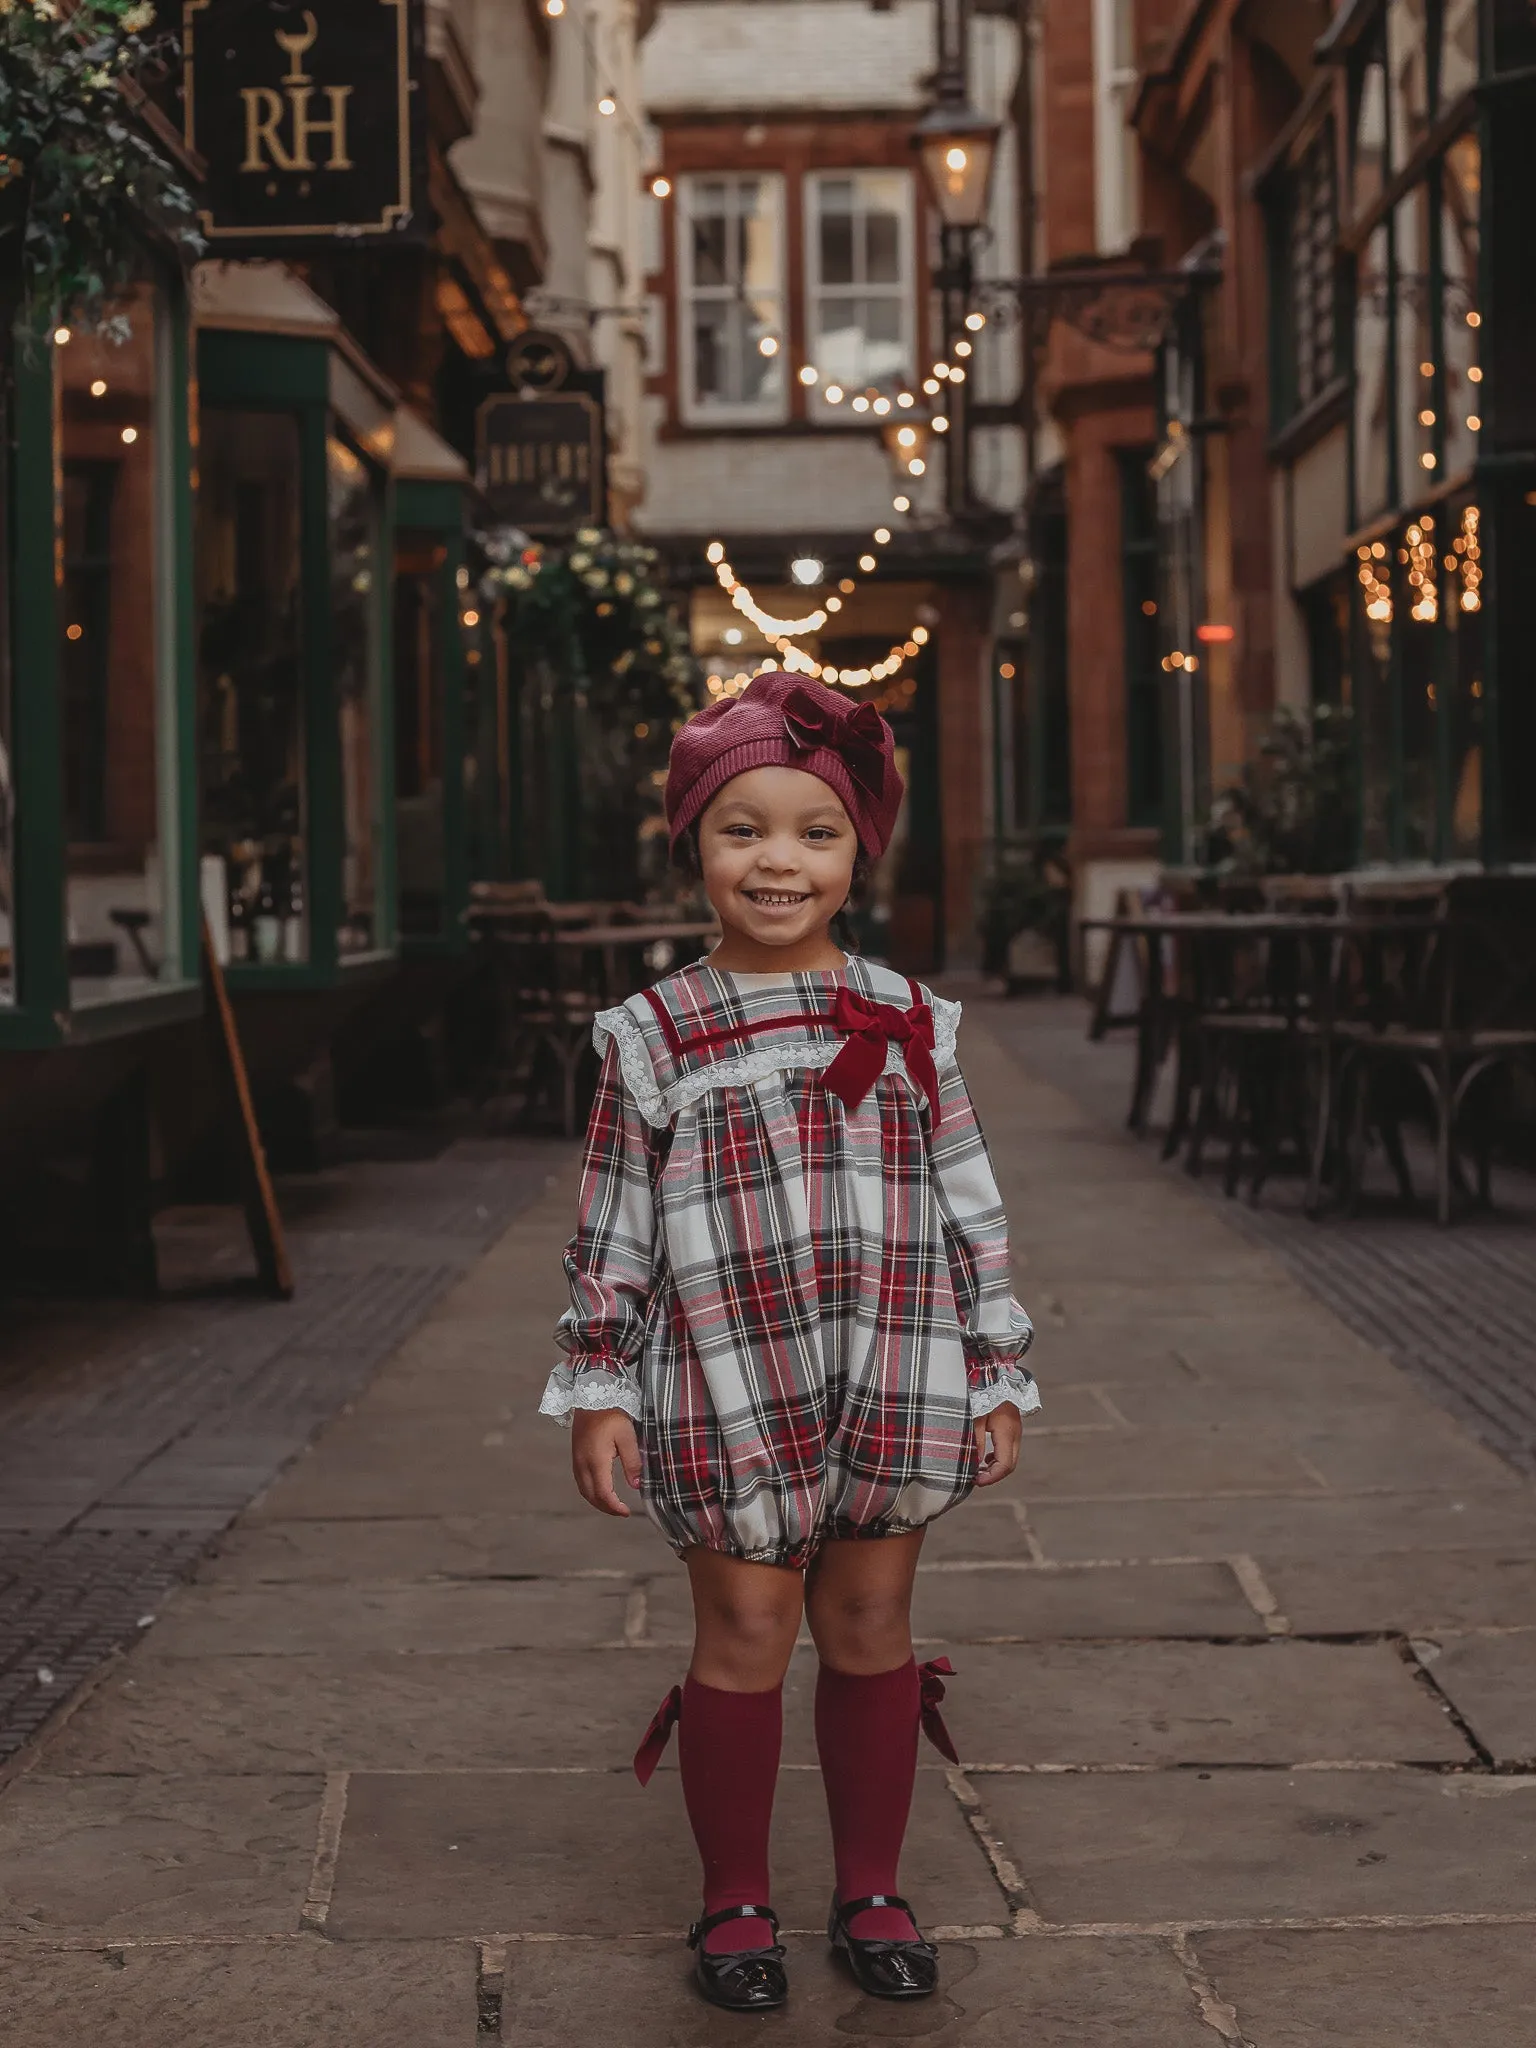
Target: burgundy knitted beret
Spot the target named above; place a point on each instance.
(783, 721)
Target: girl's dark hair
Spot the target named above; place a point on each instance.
(687, 857)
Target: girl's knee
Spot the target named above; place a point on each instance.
(859, 1630)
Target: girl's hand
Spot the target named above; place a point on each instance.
(598, 1436)
(1005, 1426)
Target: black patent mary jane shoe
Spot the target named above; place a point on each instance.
(885, 1969)
(740, 1980)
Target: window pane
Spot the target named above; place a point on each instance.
(1418, 460)
(1408, 68)
(1373, 673)
(1514, 35)
(1419, 582)
(418, 674)
(1370, 151)
(1461, 205)
(354, 561)
(760, 237)
(709, 247)
(1462, 570)
(250, 678)
(1373, 383)
(114, 515)
(1458, 49)
(882, 233)
(836, 246)
(7, 789)
(1311, 254)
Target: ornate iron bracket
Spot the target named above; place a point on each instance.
(1129, 310)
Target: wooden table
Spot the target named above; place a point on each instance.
(611, 941)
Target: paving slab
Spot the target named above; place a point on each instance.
(1325, 1527)
(122, 1857)
(1038, 1605)
(479, 1711)
(424, 1855)
(994, 1994)
(1165, 1703)
(1163, 1464)
(1409, 1592)
(1491, 1681)
(1419, 1449)
(1407, 1987)
(430, 1620)
(985, 1526)
(469, 1478)
(447, 1546)
(1188, 1846)
(279, 1995)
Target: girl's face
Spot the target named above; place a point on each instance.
(778, 850)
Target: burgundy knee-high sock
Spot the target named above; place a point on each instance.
(866, 1737)
(728, 1745)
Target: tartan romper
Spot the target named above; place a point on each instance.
(802, 1304)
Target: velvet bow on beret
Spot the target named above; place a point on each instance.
(783, 721)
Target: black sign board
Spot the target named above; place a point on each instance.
(539, 461)
(311, 120)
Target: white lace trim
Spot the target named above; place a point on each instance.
(659, 1106)
(1012, 1384)
(564, 1393)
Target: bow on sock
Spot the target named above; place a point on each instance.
(933, 1675)
(654, 1741)
(871, 1028)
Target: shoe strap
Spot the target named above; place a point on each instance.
(854, 1907)
(711, 1921)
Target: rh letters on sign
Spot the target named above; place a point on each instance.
(266, 113)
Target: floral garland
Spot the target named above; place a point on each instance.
(82, 185)
(596, 610)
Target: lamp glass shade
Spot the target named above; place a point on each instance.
(958, 147)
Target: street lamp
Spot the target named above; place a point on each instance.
(958, 147)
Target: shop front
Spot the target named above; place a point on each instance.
(1427, 626)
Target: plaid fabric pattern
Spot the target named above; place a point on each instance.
(796, 1300)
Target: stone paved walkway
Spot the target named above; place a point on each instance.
(1247, 1670)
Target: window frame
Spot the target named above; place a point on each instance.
(710, 413)
(1282, 189)
(904, 291)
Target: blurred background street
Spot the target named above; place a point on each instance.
(410, 417)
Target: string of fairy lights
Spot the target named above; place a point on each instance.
(911, 423)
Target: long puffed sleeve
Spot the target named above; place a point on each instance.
(995, 1330)
(611, 1261)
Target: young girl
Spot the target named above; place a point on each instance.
(791, 1321)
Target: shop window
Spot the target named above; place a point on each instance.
(860, 282)
(250, 669)
(1143, 640)
(1419, 426)
(1421, 600)
(1307, 220)
(420, 848)
(353, 522)
(1373, 423)
(1513, 23)
(117, 656)
(1408, 50)
(731, 270)
(1460, 233)
(1373, 668)
(1458, 50)
(1462, 569)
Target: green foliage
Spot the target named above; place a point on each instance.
(1025, 887)
(81, 185)
(1294, 809)
(596, 613)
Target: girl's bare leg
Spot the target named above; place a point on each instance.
(745, 1620)
(858, 1601)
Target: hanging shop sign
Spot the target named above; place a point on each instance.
(539, 460)
(311, 120)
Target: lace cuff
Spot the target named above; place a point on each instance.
(1013, 1384)
(588, 1387)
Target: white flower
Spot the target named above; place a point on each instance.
(138, 18)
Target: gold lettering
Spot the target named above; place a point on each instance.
(335, 127)
(263, 111)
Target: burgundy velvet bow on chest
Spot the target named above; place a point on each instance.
(872, 1028)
